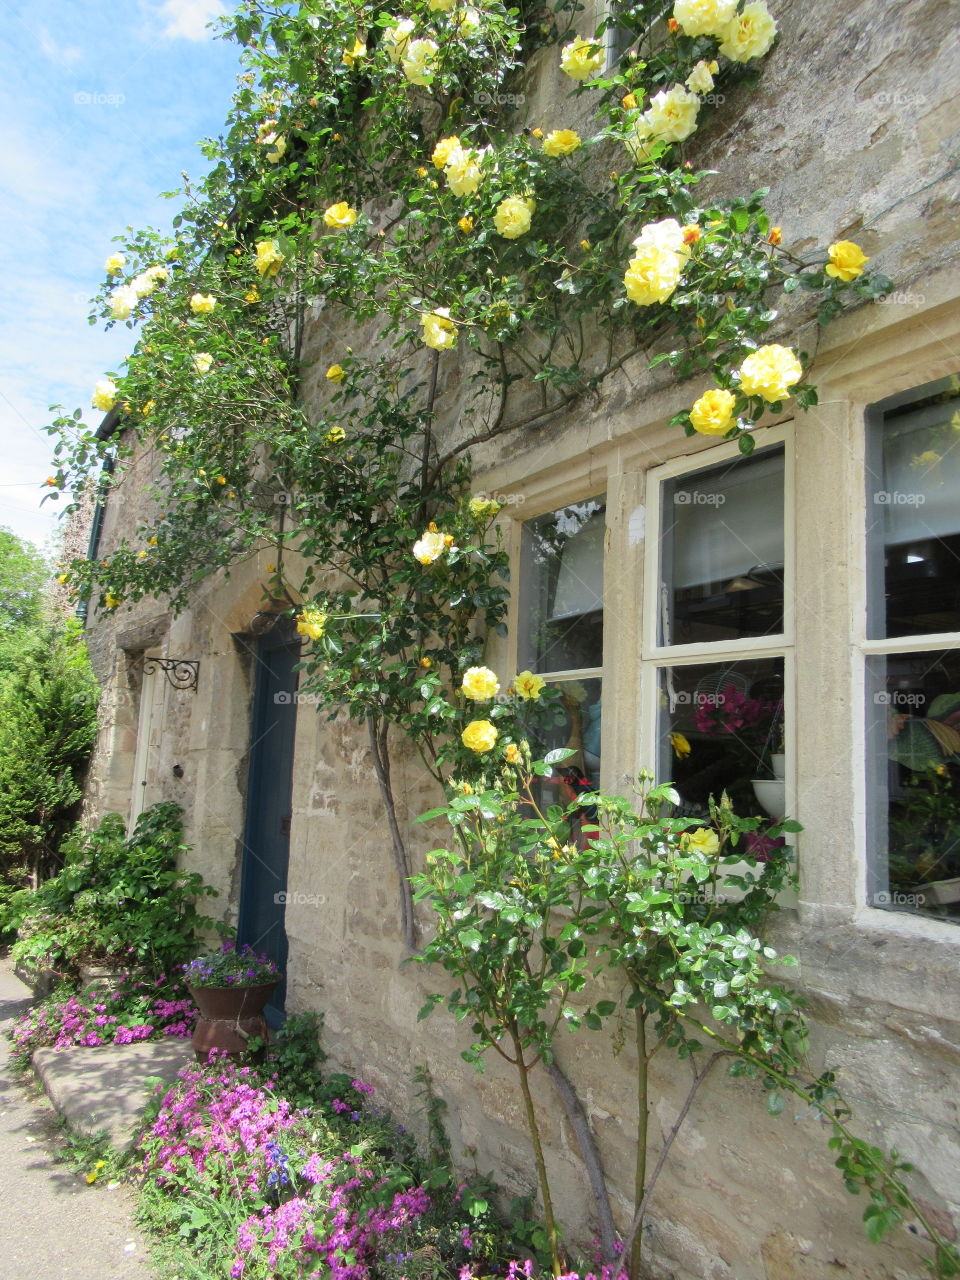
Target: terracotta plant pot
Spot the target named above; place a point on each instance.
(229, 1017)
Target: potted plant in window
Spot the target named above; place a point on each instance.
(231, 988)
(751, 727)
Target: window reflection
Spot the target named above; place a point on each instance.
(561, 625)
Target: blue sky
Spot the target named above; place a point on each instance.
(104, 103)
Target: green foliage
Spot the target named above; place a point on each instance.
(48, 724)
(117, 899)
(24, 572)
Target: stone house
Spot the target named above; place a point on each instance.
(827, 588)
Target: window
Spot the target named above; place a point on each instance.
(717, 647)
(913, 650)
(560, 632)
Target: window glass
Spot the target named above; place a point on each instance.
(914, 733)
(722, 552)
(720, 728)
(561, 568)
(913, 506)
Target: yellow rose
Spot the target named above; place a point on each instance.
(439, 331)
(480, 684)
(114, 264)
(104, 395)
(665, 234)
(463, 172)
(444, 150)
(629, 101)
(420, 61)
(145, 283)
(581, 59)
(512, 218)
(252, 295)
(339, 216)
(703, 840)
(703, 17)
(397, 37)
(479, 736)
(528, 686)
(440, 6)
(148, 408)
(350, 56)
(152, 542)
(672, 114)
(770, 372)
(681, 746)
(749, 34)
(712, 414)
(561, 142)
(700, 79)
(336, 435)
(202, 362)
(846, 260)
(511, 753)
(312, 623)
(652, 275)
(269, 259)
(430, 547)
(122, 300)
(468, 20)
(336, 373)
(111, 601)
(277, 154)
(202, 304)
(483, 508)
(465, 225)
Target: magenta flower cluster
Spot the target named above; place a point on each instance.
(135, 1010)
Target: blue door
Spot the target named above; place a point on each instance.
(266, 843)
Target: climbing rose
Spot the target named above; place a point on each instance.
(463, 172)
(700, 79)
(561, 142)
(122, 301)
(203, 362)
(527, 685)
(665, 234)
(712, 414)
(479, 736)
(483, 508)
(269, 258)
(443, 151)
(511, 753)
(652, 274)
(468, 20)
(350, 56)
(581, 58)
(440, 6)
(672, 114)
(340, 215)
(512, 218)
(430, 547)
(202, 304)
(336, 435)
(336, 373)
(104, 395)
(703, 17)
(770, 372)
(846, 260)
(397, 37)
(439, 331)
(465, 224)
(145, 283)
(114, 264)
(419, 61)
(703, 840)
(480, 684)
(312, 623)
(748, 34)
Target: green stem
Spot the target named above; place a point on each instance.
(548, 1218)
(643, 1121)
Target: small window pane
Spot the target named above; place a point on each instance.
(914, 735)
(561, 567)
(721, 729)
(913, 510)
(722, 552)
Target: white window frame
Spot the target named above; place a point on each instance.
(656, 657)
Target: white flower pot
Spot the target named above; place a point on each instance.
(771, 793)
(778, 762)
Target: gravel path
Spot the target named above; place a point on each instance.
(53, 1226)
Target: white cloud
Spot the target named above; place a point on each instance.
(189, 18)
(62, 55)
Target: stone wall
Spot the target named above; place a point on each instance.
(854, 129)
